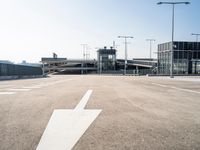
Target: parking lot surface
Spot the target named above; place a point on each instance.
(142, 113)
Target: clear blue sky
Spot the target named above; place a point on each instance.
(31, 29)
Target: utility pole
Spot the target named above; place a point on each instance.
(84, 50)
(197, 36)
(150, 41)
(84, 56)
(126, 53)
(172, 42)
(114, 45)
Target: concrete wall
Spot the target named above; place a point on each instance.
(12, 71)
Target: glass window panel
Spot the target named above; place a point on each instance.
(185, 45)
(198, 55)
(176, 45)
(185, 54)
(175, 54)
(181, 46)
(189, 46)
(198, 46)
(195, 55)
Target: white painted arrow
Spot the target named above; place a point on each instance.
(66, 126)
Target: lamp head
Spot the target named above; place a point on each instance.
(159, 3)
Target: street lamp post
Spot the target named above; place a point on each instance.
(84, 50)
(126, 53)
(172, 43)
(84, 56)
(197, 36)
(150, 41)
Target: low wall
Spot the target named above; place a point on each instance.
(20, 77)
(14, 71)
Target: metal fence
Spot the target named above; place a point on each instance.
(130, 72)
(19, 70)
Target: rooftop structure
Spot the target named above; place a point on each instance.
(106, 59)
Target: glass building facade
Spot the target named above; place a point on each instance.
(106, 59)
(186, 58)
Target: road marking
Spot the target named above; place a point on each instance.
(181, 89)
(19, 89)
(186, 90)
(83, 101)
(42, 85)
(159, 84)
(66, 126)
(31, 87)
(7, 93)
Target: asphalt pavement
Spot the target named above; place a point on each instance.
(142, 113)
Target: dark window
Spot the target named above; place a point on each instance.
(180, 45)
(195, 46)
(189, 46)
(185, 46)
(198, 46)
(180, 53)
(175, 54)
(185, 54)
(176, 45)
(195, 55)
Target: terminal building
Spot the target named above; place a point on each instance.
(186, 58)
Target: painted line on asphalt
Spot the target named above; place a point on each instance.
(7, 93)
(180, 89)
(186, 90)
(41, 85)
(159, 84)
(20, 89)
(66, 126)
(31, 87)
(81, 105)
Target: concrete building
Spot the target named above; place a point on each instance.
(68, 66)
(106, 63)
(186, 58)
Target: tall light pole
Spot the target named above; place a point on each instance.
(197, 36)
(84, 58)
(150, 41)
(172, 43)
(125, 43)
(84, 50)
